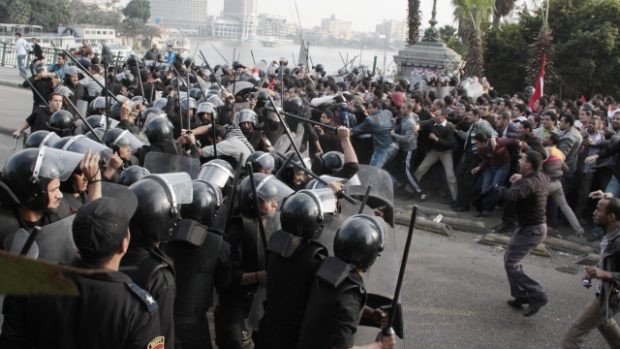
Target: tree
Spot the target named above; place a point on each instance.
(447, 33)
(50, 13)
(505, 59)
(413, 21)
(139, 9)
(19, 11)
(471, 15)
(502, 9)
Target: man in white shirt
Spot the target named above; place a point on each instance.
(21, 49)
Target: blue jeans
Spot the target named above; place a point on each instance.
(21, 64)
(494, 175)
(613, 186)
(380, 157)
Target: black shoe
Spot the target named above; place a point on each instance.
(517, 303)
(453, 204)
(460, 209)
(482, 214)
(535, 307)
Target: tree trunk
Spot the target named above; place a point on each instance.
(413, 21)
(474, 65)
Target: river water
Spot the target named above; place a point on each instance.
(330, 57)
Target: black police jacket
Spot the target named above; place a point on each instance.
(152, 270)
(334, 308)
(111, 312)
(290, 276)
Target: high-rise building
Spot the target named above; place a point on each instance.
(337, 28)
(190, 14)
(392, 29)
(243, 11)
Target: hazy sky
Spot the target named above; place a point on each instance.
(364, 14)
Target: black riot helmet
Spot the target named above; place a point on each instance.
(262, 161)
(294, 105)
(319, 68)
(195, 93)
(159, 199)
(188, 62)
(208, 108)
(132, 174)
(268, 187)
(61, 122)
(158, 130)
(303, 213)
(117, 138)
(207, 199)
(96, 121)
(28, 172)
(359, 240)
(41, 137)
(328, 163)
(262, 98)
(245, 115)
(187, 102)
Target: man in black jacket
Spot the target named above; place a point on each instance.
(441, 136)
(529, 194)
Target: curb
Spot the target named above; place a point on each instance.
(426, 225)
(492, 239)
(569, 246)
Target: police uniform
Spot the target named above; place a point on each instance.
(334, 309)
(111, 312)
(291, 266)
(155, 273)
(198, 270)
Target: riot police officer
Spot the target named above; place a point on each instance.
(338, 295)
(30, 187)
(159, 132)
(247, 254)
(246, 120)
(156, 217)
(293, 257)
(202, 263)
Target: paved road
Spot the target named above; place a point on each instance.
(455, 289)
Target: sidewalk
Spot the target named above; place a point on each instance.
(10, 77)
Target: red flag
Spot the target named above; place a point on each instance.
(540, 83)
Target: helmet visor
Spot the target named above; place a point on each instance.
(177, 184)
(270, 187)
(128, 139)
(82, 144)
(324, 198)
(217, 172)
(54, 163)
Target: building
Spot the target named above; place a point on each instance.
(188, 14)
(244, 13)
(268, 25)
(337, 28)
(392, 30)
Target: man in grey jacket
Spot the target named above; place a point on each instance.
(407, 139)
(570, 143)
(600, 311)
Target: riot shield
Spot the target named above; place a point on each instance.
(54, 243)
(15, 244)
(381, 194)
(157, 162)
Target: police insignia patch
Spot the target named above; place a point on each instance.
(157, 343)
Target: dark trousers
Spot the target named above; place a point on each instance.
(230, 329)
(192, 332)
(524, 239)
(465, 181)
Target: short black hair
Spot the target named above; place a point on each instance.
(613, 206)
(535, 158)
(569, 119)
(552, 115)
(481, 137)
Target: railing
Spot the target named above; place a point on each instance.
(8, 55)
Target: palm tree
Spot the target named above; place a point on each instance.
(502, 9)
(413, 21)
(471, 15)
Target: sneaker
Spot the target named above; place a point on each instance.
(517, 303)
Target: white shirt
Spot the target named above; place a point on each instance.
(22, 46)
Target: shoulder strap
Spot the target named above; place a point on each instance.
(145, 297)
(283, 243)
(333, 271)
